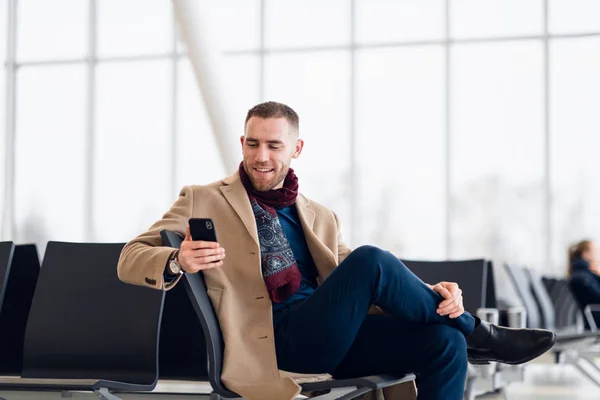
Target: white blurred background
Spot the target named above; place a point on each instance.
(434, 128)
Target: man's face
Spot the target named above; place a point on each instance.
(268, 148)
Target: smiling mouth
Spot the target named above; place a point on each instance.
(263, 170)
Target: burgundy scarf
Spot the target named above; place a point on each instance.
(279, 268)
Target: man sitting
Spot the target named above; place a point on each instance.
(291, 296)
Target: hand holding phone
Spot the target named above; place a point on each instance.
(200, 249)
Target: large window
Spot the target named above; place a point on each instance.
(575, 126)
(2, 148)
(497, 151)
(49, 153)
(131, 178)
(433, 128)
(400, 150)
(3, 42)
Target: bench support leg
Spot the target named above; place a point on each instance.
(104, 393)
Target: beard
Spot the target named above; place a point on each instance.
(262, 185)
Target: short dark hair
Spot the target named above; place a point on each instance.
(272, 109)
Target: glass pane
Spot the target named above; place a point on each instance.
(575, 123)
(242, 79)
(316, 86)
(497, 152)
(132, 150)
(52, 29)
(236, 23)
(3, 31)
(199, 160)
(2, 148)
(481, 18)
(401, 150)
(387, 21)
(50, 158)
(134, 27)
(198, 157)
(570, 16)
(295, 23)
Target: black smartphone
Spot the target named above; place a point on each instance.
(203, 229)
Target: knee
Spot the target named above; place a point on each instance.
(365, 261)
(448, 347)
(369, 255)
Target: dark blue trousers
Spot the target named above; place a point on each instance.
(331, 332)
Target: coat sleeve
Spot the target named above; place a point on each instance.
(143, 260)
(343, 249)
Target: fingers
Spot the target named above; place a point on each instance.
(445, 293)
(201, 244)
(212, 265)
(206, 263)
(209, 259)
(452, 305)
(196, 255)
(199, 253)
(456, 311)
(455, 296)
(455, 308)
(188, 236)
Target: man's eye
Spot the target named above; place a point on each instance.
(252, 145)
(274, 147)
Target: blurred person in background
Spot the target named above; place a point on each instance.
(584, 275)
(291, 296)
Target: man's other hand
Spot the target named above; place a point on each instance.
(452, 305)
(196, 255)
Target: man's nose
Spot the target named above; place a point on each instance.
(262, 154)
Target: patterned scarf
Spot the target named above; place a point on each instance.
(279, 268)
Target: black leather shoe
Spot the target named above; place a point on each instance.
(490, 342)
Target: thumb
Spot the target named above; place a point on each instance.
(188, 236)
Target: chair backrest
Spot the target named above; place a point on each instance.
(180, 324)
(196, 289)
(522, 287)
(87, 324)
(542, 298)
(14, 310)
(567, 315)
(6, 255)
(471, 276)
(491, 300)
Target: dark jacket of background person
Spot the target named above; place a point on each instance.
(585, 285)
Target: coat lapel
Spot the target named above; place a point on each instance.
(323, 257)
(236, 195)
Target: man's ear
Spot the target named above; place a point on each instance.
(242, 139)
(299, 147)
